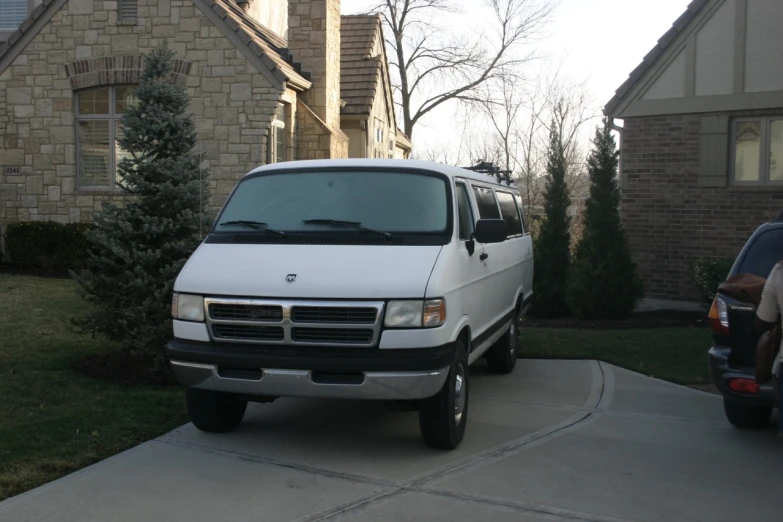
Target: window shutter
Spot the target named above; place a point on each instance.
(129, 9)
(714, 151)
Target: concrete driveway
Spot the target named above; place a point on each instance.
(556, 440)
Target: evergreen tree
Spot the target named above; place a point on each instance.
(603, 282)
(137, 249)
(553, 243)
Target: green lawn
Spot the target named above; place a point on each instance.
(53, 420)
(673, 354)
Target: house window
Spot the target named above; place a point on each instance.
(757, 151)
(12, 14)
(98, 114)
(129, 10)
(277, 136)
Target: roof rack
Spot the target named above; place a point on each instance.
(488, 167)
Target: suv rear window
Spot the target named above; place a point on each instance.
(764, 252)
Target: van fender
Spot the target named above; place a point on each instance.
(461, 324)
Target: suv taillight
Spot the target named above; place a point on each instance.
(719, 316)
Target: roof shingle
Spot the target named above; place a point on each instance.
(361, 73)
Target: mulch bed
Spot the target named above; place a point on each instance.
(125, 368)
(641, 320)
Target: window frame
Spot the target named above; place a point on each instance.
(466, 186)
(765, 146)
(475, 186)
(113, 118)
(516, 206)
(277, 128)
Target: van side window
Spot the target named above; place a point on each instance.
(508, 209)
(486, 202)
(466, 225)
(521, 208)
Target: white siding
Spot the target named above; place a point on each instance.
(715, 52)
(272, 14)
(671, 83)
(764, 46)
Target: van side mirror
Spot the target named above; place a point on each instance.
(490, 231)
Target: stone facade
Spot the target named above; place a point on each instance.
(83, 45)
(669, 218)
(314, 38)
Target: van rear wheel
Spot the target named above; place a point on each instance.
(214, 412)
(442, 417)
(502, 356)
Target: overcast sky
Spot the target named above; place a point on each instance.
(600, 41)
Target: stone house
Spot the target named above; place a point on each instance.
(702, 141)
(264, 79)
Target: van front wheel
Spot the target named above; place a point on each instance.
(214, 412)
(502, 356)
(442, 417)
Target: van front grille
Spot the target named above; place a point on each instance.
(294, 322)
(331, 335)
(331, 314)
(247, 332)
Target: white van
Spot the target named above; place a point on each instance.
(355, 279)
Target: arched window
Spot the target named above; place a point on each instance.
(98, 114)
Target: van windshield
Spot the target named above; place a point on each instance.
(388, 201)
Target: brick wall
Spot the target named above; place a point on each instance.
(670, 220)
(232, 102)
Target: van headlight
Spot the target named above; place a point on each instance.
(415, 314)
(187, 307)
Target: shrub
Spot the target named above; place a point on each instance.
(707, 274)
(48, 245)
(602, 282)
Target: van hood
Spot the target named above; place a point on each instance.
(322, 271)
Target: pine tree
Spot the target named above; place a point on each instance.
(603, 282)
(552, 246)
(137, 249)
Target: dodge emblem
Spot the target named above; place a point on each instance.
(291, 278)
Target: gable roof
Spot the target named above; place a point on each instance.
(264, 43)
(362, 74)
(258, 40)
(663, 43)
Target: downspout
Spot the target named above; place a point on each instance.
(366, 144)
(620, 174)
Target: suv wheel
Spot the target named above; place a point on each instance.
(746, 416)
(442, 417)
(502, 356)
(214, 412)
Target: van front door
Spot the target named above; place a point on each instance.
(472, 271)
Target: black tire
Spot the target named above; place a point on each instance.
(214, 412)
(441, 425)
(746, 416)
(502, 356)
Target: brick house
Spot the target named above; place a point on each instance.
(702, 141)
(264, 79)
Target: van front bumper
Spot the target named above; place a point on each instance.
(286, 371)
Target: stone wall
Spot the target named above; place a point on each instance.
(670, 220)
(231, 101)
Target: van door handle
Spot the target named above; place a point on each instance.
(483, 256)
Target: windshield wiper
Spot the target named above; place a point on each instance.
(354, 224)
(258, 225)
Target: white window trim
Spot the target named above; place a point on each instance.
(764, 151)
(111, 117)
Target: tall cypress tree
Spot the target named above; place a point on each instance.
(138, 249)
(552, 246)
(603, 283)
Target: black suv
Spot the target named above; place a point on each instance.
(733, 353)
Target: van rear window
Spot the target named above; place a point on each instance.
(764, 252)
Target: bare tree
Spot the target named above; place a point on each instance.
(435, 66)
